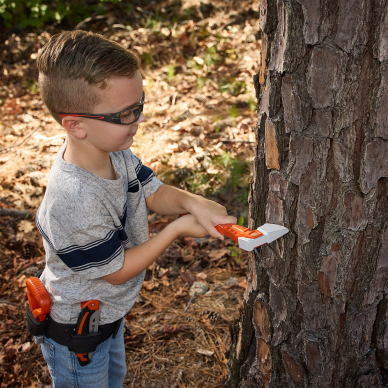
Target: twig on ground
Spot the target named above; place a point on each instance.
(4, 301)
(174, 98)
(32, 263)
(80, 24)
(200, 13)
(134, 377)
(16, 213)
(237, 141)
(6, 149)
(178, 379)
(189, 304)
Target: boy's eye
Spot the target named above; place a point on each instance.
(127, 116)
(128, 112)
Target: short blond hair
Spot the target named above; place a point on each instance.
(72, 67)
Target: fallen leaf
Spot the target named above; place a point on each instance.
(231, 282)
(165, 31)
(130, 316)
(186, 277)
(22, 281)
(218, 254)
(17, 368)
(182, 292)
(13, 107)
(134, 340)
(190, 242)
(205, 352)
(243, 283)
(212, 170)
(26, 226)
(26, 346)
(183, 39)
(171, 148)
(149, 286)
(201, 275)
(199, 60)
(42, 182)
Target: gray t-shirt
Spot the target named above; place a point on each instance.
(87, 222)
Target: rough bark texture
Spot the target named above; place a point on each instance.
(316, 305)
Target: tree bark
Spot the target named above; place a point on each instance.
(315, 312)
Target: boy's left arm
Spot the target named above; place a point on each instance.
(169, 200)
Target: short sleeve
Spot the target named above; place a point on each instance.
(88, 240)
(145, 176)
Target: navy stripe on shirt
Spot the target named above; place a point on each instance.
(104, 262)
(138, 167)
(123, 218)
(144, 175)
(97, 256)
(42, 232)
(149, 179)
(133, 186)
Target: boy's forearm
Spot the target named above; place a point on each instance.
(137, 259)
(169, 200)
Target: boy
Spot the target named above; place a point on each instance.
(93, 217)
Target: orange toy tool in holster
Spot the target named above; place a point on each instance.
(84, 336)
(39, 303)
(87, 323)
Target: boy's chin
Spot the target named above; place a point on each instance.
(130, 142)
(120, 147)
(125, 145)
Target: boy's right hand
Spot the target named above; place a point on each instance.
(188, 226)
(138, 258)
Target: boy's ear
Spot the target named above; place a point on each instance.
(73, 126)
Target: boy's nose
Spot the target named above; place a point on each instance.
(141, 118)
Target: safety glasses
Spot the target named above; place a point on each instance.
(127, 116)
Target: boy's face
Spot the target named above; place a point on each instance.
(119, 94)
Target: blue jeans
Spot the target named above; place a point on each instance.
(106, 369)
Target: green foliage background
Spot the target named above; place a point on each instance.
(37, 13)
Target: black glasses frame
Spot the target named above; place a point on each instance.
(110, 117)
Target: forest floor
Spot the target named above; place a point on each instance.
(198, 68)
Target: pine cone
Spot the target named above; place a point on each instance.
(200, 98)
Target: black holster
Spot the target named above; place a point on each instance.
(35, 327)
(65, 334)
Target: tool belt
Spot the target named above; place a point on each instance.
(65, 334)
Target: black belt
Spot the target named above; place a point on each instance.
(65, 335)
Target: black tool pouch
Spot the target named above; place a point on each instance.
(35, 327)
(85, 343)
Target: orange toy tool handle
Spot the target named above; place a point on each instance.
(38, 298)
(235, 231)
(88, 308)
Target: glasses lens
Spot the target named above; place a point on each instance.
(129, 116)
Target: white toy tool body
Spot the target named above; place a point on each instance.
(250, 239)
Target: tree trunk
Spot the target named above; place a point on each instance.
(315, 312)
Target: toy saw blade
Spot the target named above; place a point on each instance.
(250, 239)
